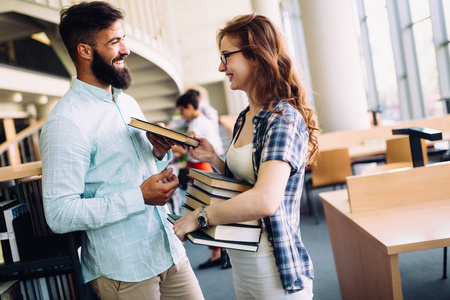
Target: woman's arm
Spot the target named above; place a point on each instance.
(259, 202)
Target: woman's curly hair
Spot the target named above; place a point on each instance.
(275, 77)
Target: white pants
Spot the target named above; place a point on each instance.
(256, 276)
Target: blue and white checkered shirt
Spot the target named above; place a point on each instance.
(286, 139)
(92, 165)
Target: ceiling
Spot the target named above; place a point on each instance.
(156, 91)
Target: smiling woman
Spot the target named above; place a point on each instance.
(237, 68)
(277, 133)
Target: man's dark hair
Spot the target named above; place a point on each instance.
(195, 92)
(188, 98)
(81, 22)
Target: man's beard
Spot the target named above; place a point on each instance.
(106, 72)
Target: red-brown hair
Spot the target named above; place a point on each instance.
(274, 75)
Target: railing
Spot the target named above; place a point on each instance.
(148, 22)
(24, 147)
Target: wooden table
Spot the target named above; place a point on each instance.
(368, 235)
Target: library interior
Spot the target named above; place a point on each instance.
(374, 208)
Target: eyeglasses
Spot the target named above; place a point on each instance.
(224, 56)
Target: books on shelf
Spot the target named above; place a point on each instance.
(50, 272)
(32, 191)
(219, 181)
(200, 238)
(4, 238)
(11, 214)
(10, 290)
(165, 132)
(49, 287)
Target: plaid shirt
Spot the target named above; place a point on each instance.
(276, 139)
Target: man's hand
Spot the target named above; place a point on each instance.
(160, 144)
(157, 189)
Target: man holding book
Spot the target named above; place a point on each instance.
(107, 179)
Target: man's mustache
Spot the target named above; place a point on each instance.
(120, 57)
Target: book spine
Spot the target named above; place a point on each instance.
(6, 248)
(10, 214)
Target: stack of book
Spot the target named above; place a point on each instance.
(211, 188)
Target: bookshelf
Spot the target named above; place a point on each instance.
(60, 255)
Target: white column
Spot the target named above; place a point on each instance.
(270, 9)
(335, 64)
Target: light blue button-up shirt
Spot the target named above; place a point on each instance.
(92, 167)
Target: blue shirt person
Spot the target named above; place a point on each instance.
(105, 178)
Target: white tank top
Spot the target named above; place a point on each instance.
(240, 162)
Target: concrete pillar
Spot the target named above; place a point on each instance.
(335, 64)
(270, 9)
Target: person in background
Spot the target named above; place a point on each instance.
(106, 179)
(274, 139)
(199, 125)
(206, 110)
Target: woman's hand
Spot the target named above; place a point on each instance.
(204, 152)
(186, 224)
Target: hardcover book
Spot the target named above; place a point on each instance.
(219, 181)
(4, 239)
(217, 192)
(204, 196)
(10, 290)
(165, 132)
(11, 214)
(200, 238)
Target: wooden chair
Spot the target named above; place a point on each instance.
(398, 155)
(332, 168)
(399, 150)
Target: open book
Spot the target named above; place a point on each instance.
(165, 132)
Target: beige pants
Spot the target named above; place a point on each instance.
(178, 282)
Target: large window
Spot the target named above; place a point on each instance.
(406, 53)
(426, 56)
(381, 60)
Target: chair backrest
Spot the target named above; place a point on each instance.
(399, 150)
(333, 166)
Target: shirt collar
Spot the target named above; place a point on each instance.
(264, 112)
(94, 91)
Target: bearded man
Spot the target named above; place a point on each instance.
(106, 179)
